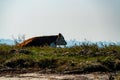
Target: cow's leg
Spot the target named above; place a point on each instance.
(53, 44)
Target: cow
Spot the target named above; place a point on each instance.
(53, 41)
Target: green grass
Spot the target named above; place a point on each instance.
(76, 59)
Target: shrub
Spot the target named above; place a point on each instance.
(48, 63)
(19, 63)
(91, 56)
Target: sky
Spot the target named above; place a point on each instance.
(92, 20)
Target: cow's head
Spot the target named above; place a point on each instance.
(60, 40)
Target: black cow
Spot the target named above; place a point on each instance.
(52, 41)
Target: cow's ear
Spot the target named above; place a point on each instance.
(59, 35)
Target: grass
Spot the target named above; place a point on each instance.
(77, 59)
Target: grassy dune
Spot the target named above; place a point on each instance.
(77, 59)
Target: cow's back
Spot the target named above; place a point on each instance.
(38, 41)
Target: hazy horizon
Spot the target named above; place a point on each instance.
(94, 20)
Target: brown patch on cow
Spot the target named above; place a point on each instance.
(25, 42)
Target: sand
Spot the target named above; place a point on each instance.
(38, 76)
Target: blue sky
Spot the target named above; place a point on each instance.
(94, 20)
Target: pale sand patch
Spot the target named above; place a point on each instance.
(37, 76)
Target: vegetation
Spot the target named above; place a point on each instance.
(84, 58)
